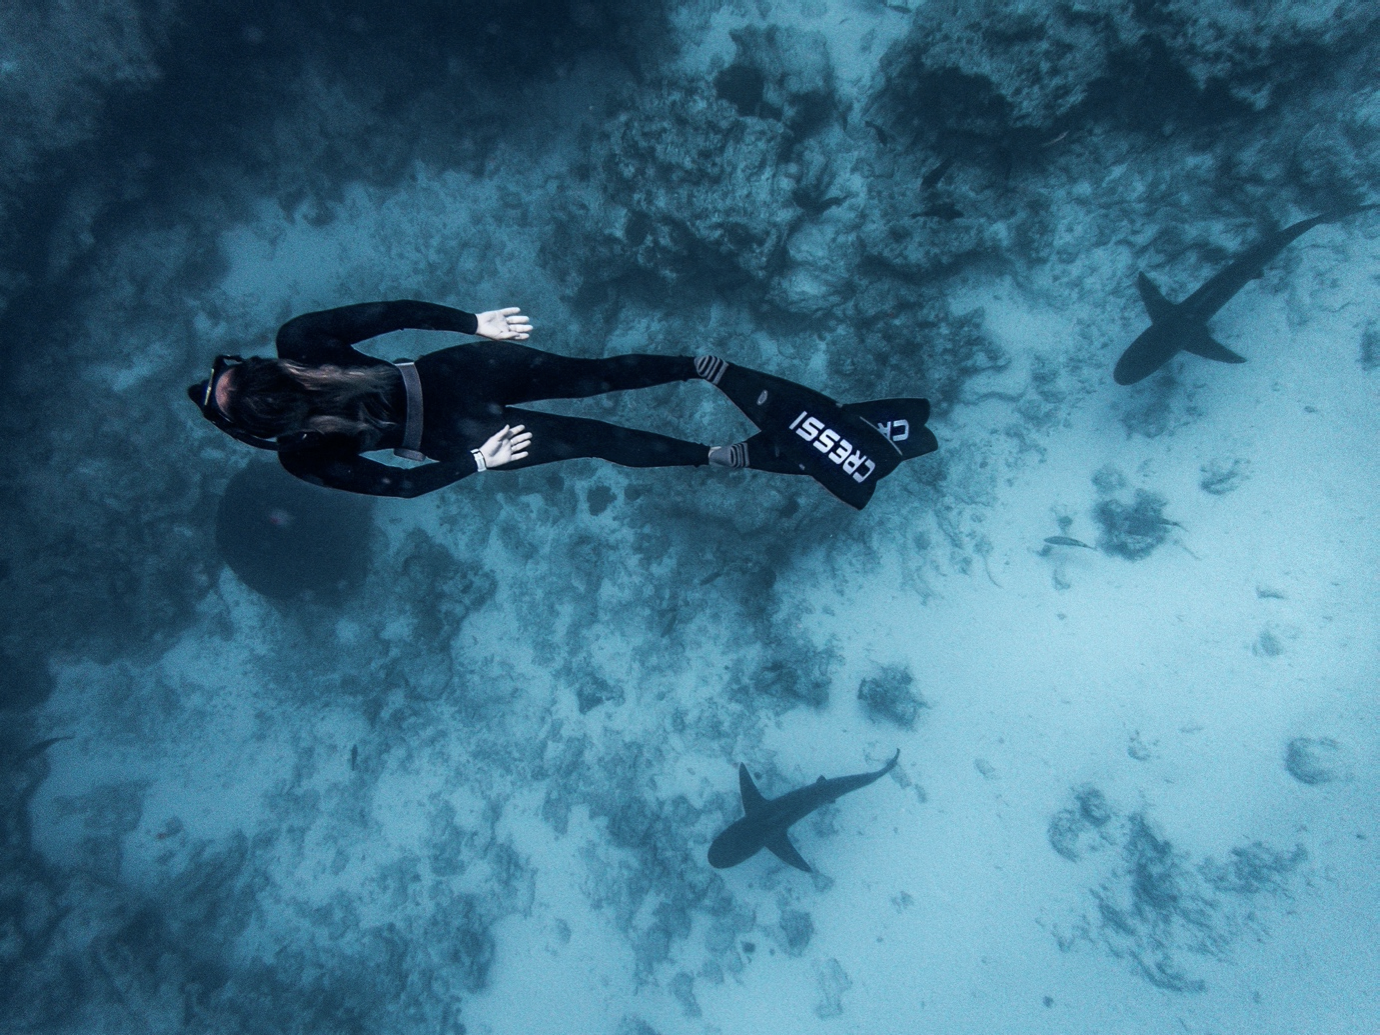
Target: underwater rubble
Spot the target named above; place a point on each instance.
(1152, 905)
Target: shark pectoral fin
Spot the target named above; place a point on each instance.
(752, 797)
(1214, 350)
(781, 847)
(1156, 305)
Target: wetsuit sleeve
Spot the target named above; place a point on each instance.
(355, 473)
(328, 336)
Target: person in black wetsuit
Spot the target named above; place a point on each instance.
(322, 402)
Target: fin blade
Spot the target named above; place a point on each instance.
(840, 450)
(781, 847)
(1156, 305)
(752, 797)
(1207, 348)
(900, 420)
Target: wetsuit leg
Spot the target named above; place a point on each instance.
(506, 373)
(556, 437)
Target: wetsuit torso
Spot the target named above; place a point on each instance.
(468, 394)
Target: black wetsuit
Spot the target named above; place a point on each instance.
(468, 392)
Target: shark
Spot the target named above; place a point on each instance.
(766, 822)
(1182, 326)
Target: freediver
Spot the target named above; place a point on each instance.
(322, 403)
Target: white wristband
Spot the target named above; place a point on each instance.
(479, 460)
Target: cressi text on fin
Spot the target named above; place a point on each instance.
(843, 452)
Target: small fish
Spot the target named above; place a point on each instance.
(354, 755)
(931, 179)
(943, 210)
(1063, 540)
(883, 137)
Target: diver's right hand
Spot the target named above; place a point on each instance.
(503, 324)
(507, 444)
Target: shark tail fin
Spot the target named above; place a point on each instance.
(781, 847)
(752, 797)
(1156, 305)
(1206, 347)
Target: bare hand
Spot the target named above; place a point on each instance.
(507, 444)
(504, 325)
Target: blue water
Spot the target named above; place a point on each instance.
(465, 779)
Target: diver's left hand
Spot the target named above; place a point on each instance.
(504, 325)
(506, 445)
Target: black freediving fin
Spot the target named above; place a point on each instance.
(1203, 345)
(781, 847)
(902, 421)
(1156, 305)
(812, 433)
(752, 797)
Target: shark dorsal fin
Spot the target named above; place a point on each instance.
(781, 847)
(752, 797)
(1155, 303)
(820, 780)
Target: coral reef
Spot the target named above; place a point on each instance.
(1017, 73)
(888, 696)
(1314, 760)
(1152, 904)
(1221, 477)
(1131, 530)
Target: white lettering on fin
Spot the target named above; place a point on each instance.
(895, 430)
(837, 448)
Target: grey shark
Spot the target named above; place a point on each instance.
(766, 822)
(1182, 327)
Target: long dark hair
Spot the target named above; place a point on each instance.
(272, 397)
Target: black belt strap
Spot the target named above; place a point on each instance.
(411, 448)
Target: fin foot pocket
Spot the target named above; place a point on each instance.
(711, 368)
(735, 456)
